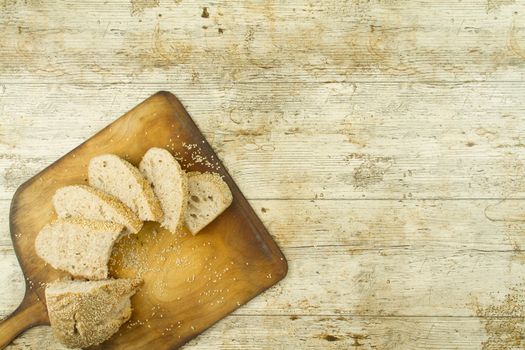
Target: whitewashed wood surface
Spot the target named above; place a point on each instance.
(381, 142)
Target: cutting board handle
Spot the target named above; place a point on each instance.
(31, 312)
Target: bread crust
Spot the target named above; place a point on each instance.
(131, 221)
(82, 318)
(146, 191)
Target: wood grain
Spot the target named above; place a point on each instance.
(31, 312)
(168, 41)
(419, 99)
(437, 225)
(323, 332)
(381, 282)
(189, 282)
(388, 140)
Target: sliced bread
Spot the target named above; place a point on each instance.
(78, 246)
(86, 313)
(209, 196)
(87, 202)
(169, 183)
(121, 179)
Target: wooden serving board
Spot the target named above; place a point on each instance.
(189, 282)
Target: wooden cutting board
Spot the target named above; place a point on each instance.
(189, 282)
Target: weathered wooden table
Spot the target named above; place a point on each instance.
(381, 142)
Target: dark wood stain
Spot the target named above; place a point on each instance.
(329, 337)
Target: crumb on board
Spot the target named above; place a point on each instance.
(133, 254)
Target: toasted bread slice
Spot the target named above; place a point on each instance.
(86, 313)
(86, 202)
(121, 179)
(169, 183)
(78, 246)
(209, 197)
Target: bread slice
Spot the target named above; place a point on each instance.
(209, 197)
(119, 178)
(87, 202)
(78, 246)
(86, 313)
(169, 183)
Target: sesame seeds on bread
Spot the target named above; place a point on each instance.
(86, 313)
(169, 183)
(119, 178)
(78, 246)
(92, 219)
(209, 196)
(83, 201)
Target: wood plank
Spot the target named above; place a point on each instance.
(380, 244)
(387, 282)
(337, 141)
(304, 332)
(413, 253)
(11, 282)
(393, 282)
(375, 224)
(170, 41)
